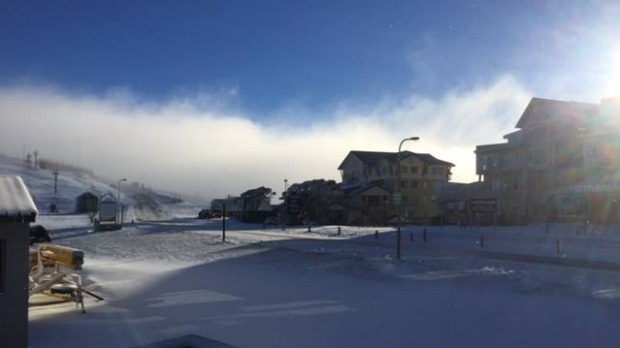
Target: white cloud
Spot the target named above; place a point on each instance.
(187, 146)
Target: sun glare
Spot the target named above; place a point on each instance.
(613, 75)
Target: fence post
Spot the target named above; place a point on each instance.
(424, 233)
(223, 223)
(411, 237)
(338, 230)
(376, 234)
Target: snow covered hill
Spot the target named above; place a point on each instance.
(62, 191)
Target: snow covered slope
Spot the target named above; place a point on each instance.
(45, 191)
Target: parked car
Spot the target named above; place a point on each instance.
(205, 214)
(270, 220)
(38, 234)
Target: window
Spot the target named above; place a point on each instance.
(414, 170)
(403, 184)
(414, 184)
(538, 157)
(373, 200)
(404, 169)
(437, 170)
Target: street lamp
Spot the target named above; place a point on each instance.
(118, 199)
(398, 188)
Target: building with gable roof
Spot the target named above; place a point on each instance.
(369, 179)
(561, 164)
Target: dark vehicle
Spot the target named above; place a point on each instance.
(205, 214)
(38, 234)
(270, 220)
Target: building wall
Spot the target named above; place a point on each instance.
(353, 171)
(420, 184)
(565, 165)
(381, 170)
(14, 299)
(376, 205)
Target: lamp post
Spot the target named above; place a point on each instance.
(118, 198)
(398, 188)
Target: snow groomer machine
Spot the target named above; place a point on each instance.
(53, 273)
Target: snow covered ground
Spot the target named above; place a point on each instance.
(294, 288)
(169, 274)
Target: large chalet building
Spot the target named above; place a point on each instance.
(561, 164)
(369, 180)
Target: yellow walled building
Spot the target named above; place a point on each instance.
(370, 180)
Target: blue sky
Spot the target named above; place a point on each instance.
(312, 64)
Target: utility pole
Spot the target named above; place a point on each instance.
(223, 223)
(55, 173)
(28, 161)
(36, 154)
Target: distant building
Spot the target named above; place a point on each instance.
(562, 163)
(468, 204)
(370, 178)
(87, 202)
(233, 206)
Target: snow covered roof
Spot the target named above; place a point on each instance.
(108, 198)
(15, 201)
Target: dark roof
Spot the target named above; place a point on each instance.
(357, 189)
(492, 147)
(545, 109)
(370, 158)
(16, 205)
(428, 158)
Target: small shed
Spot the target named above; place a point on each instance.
(17, 211)
(87, 202)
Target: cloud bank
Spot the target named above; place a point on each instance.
(193, 145)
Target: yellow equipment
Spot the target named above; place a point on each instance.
(51, 268)
(57, 255)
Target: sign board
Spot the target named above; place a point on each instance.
(483, 205)
(397, 198)
(593, 188)
(107, 208)
(293, 204)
